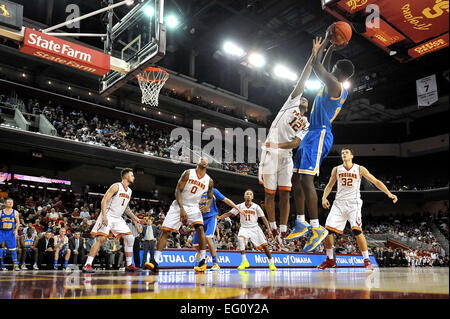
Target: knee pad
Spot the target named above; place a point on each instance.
(128, 243)
(241, 243)
(356, 232)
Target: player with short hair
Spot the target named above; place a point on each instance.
(317, 143)
(9, 226)
(210, 211)
(250, 229)
(186, 209)
(110, 221)
(286, 132)
(29, 242)
(347, 205)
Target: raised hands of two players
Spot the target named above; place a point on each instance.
(183, 216)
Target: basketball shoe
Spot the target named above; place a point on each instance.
(201, 266)
(272, 267)
(152, 265)
(368, 264)
(328, 263)
(215, 267)
(315, 237)
(244, 264)
(88, 269)
(131, 268)
(300, 229)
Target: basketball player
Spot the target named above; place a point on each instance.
(114, 204)
(185, 209)
(286, 133)
(250, 229)
(29, 242)
(62, 248)
(210, 211)
(9, 226)
(347, 205)
(317, 143)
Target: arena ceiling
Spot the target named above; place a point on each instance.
(280, 29)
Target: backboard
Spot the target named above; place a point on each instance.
(139, 39)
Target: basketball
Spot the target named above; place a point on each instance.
(342, 33)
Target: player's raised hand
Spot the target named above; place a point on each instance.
(393, 197)
(325, 203)
(330, 32)
(183, 216)
(317, 42)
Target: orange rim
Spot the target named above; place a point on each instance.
(140, 78)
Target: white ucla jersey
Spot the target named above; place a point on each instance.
(194, 188)
(119, 202)
(251, 214)
(288, 124)
(349, 181)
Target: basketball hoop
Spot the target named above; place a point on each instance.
(151, 81)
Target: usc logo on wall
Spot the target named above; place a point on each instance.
(438, 9)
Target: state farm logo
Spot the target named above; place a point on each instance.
(63, 49)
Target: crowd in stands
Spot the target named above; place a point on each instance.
(48, 211)
(197, 100)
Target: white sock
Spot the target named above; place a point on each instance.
(89, 261)
(301, 218)
(128, 260)
(202, 254)
(273, 225)
(330, 253)
(365, 254)
(271, 260)
(314, 223)
(158, 256)
(283, 228)
(244, 257)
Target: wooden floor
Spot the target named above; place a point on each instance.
(349, 283)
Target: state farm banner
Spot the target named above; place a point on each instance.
(185, 258)
(429, 46)
(64, 52)
(427, 93)
(418, 19)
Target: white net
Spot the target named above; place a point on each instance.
(151, 82)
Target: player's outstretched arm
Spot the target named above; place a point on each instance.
(378, 184)
(329, 188)
(300, 86)
(223, 216)
(230, 203)
(332, 86)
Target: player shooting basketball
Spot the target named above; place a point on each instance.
(286, 132)
(317, 143)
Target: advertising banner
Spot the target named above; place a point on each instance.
(430, 46)
(64, 52)
(385, 35)
(11, 15)
(353, 6)
(179, 258)
(418, 19)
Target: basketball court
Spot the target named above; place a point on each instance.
(353, 283)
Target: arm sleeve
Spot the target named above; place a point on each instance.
(259, 211)
(218, 194)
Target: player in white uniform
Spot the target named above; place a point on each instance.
(110, 222)
(286, 132)
(250, 229)
(186, 209)
(347, 205)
